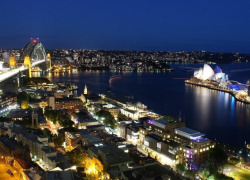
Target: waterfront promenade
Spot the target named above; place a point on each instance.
(236, 94)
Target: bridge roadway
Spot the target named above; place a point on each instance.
(10, 73)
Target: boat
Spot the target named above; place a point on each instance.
(114, 77)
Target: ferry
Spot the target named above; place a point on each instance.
(114, 77)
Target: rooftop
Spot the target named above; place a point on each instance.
(113, 155)
(153, 171)
(154, 136)
(188, 133)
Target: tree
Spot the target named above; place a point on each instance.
(180, 167)
(65, 121)
(234, 160)
(205, 172)
(217, 157)
(47, 132)
(168, 118)
(59, 140)
(23, 100)
(76, 157)
(190, 173)
(218, 176)
(108, 118)
(47, 108)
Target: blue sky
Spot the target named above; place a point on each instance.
(167, 25)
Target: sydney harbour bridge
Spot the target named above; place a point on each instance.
(33, 55)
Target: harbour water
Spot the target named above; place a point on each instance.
(217, 114)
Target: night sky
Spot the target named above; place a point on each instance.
(167, 25)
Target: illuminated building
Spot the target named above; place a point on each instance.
(32, 174)
(28, 63)
(111, 159)
(10, 149)
(21, 165)
(12, 61)
(129, 130)
(114, 112)
(51, 101)
(38, 146)
(84, 123)
(71, 141)
(248, 149)
(163, 127)
(194, 146)
(85, 91)
(172, 143)
(94, 168)
(133, 114)
(71, 104)
(207, 73)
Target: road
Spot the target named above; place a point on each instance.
(4, 175)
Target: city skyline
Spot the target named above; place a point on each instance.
(158, 26)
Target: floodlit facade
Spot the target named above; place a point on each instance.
(207, 73)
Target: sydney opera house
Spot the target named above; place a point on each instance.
(207, 73)
(216, 79)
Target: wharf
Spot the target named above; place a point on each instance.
(209, 86)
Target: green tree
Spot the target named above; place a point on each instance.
(76, 157)
(59, 140)
(108, 118)
(217, 158)
(234, 160)
(205, 172)
(65, 121)
(47, 132)
(168, 118)
(180, 167)
(190, 173)
(23, 100)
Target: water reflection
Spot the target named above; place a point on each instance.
(219, 112)
(215, 113)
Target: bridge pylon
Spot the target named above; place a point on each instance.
(12, 62)
(27, 63)
(48, 61)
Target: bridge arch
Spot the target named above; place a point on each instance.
(35, 51)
